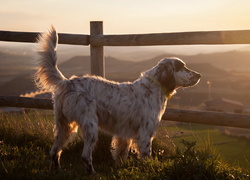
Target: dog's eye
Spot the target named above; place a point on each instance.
(178, 65)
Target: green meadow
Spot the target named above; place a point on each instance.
(233, 150)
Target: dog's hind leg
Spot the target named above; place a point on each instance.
(120, 148)
(90, 134)
(62, 133)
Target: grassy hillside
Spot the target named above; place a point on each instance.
(25, 141)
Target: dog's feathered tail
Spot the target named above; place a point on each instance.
(48, 76)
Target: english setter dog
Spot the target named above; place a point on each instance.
(129, 111)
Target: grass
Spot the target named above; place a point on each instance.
(25, 141)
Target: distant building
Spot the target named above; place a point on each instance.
(224, 105)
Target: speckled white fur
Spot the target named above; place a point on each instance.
(128, 111)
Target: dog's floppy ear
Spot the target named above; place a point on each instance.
(166, 76)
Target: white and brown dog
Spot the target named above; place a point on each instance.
(128, 111)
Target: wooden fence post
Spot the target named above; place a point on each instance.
(96, 52)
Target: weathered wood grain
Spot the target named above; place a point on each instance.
(96, 51)
(180, 115)
(208, 117)
(24, 102)
(31, 37)
(98, 39)
(180, 38)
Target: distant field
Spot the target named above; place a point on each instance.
(232, 150)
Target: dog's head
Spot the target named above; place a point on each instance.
(172, 73)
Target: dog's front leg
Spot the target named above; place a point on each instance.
(144, 143)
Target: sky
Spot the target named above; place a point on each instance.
(125, 17)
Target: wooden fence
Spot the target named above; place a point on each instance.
(97, 41)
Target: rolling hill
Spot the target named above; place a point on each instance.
(130, 70)
(232, 60)
(13, 64)
(16, 71)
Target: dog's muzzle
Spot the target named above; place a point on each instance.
(195, 78)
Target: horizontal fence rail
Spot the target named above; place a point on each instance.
(31, 37)
(208, 118)
(180, 115)
(179, 38)
(16, 101)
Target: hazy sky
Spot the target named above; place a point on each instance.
(127, 16)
